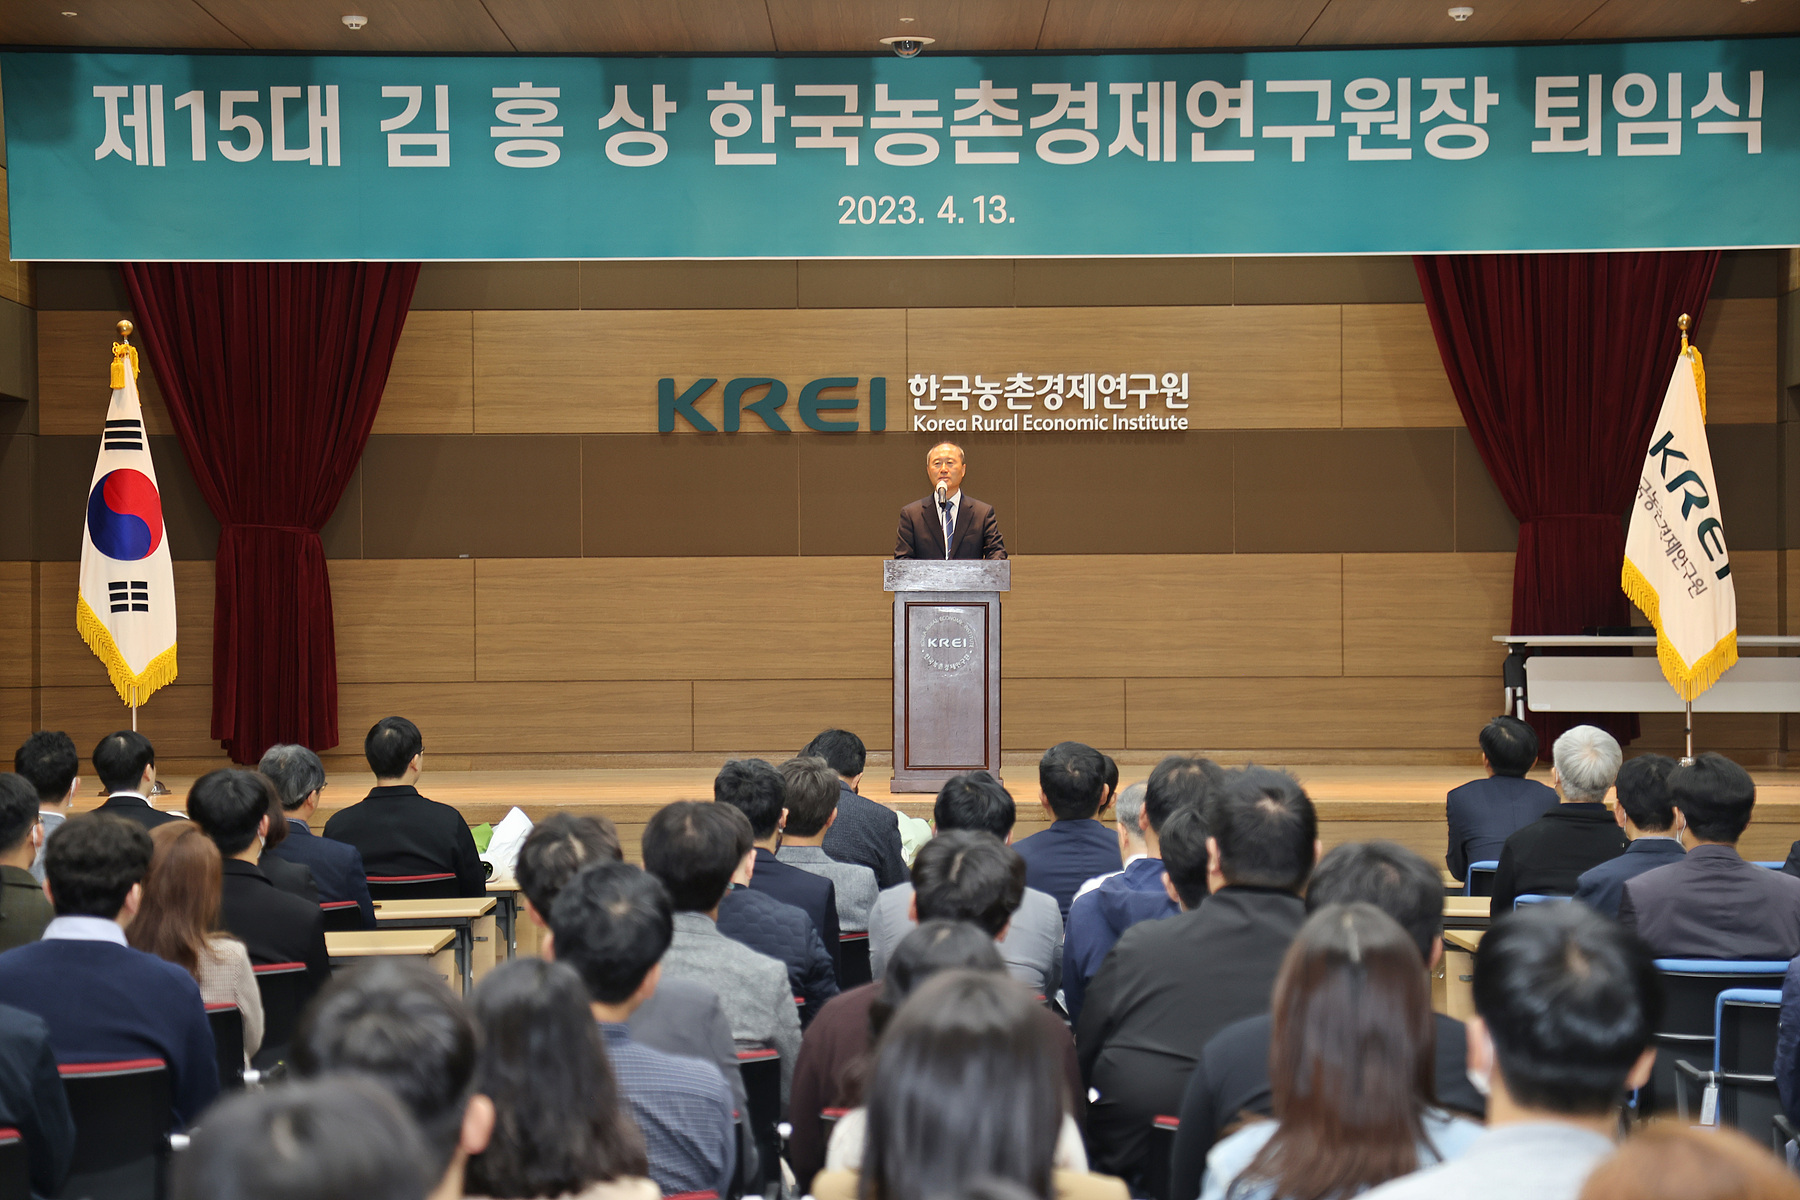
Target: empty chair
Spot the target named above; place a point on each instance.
(853, 961)
(1691, 989)
(441, 886)
(1744, 1022)
(1481, 877)
(227, 1021)
(283, 989)
(1537, 898)
(341, 915)
(122, 1112)
(15, 1166)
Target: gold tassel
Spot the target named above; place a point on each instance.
(133, 687)
(1688, 680)
(1693, 353)
(122, 351)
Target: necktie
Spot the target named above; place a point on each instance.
(948, 528)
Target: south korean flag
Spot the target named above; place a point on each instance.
(126, 608)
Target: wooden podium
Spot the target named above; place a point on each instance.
(946, 667)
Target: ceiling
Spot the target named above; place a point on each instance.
(853, 26)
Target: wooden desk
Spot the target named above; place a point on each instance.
(1452, 885)
(1453, 990)
(433, 945)
(508, 899)
(471, 921)
(1466, 912)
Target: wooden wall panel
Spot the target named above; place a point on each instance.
(1175, 615)
(19, 625)
(1756, 577)
(1035, 714)
(1324, 714)
(431, 385)
(1738, 342)
(1249, 367)
(404, 620)
(683, 618)
(1393, 375)
(735, 716)
(15, 277)
(74, 374)
(1426, 614)
(526, 718)
(177, 720)
(596, 371)
(67, 659)
(18, 715)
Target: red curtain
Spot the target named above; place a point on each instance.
(272, 373)
(1559, 363)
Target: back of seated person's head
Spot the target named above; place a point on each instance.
(1715, 795)
(840, 748)
(933, 947)
(1129, 807)
(1511, 746)
(1667, 1161)
(557, 847)
(695, 847)
(974, 800)
(340, 1137)
(1109, 778)
(1587, 762)
(1570, 1000)
(391, 745)
(295, 771)
(561, 1125)
(395, 1021)
(811, 787)
(754, 788)
(612, 923)
(1178, 782)
(962, 1089)
(48, 762)
(229, 806)
(92, 862)
(1389, 876)
(965, 875)
(1265, 828)
(120, 759)
(1185, 856)
(180, 908)
(1643, 788)
(1073, 779)
(18, 811)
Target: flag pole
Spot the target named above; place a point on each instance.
(125, 328)
(1687, 705)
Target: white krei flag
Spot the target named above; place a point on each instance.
(126, 608)
(1676, 566)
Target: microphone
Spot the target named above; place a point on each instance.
(943, 491)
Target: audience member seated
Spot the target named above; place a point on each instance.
(1106, 907)
(233, 809)
(813, 805)
(612, 924)
(397, 831)
(179, 915)
(1351, 1064)
(1231, 1080)
(1566, 1002)
(1483, 813)
(328, 1139)
(962, 876)
(757, 790)
(560, 1125)
(1076, 847)
(1170, 985)
(1668, 1162)
(682, 1018)
(394, 1020)
(1647, 814)
(104, 1001)
(944, 946)
(1549, 856)
(126, 764)
(32, 1099)
(49, 764)
(290, 877)
(694, 848)
(977, 802)
(1710, 903)
(1787, 1043)
(781, 931)
(23, 909)
(337, 868)
(864, 833)
(962, 1090)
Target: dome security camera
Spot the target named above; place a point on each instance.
(907, 47)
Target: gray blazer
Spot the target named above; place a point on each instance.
(752, 987)
(856, 886)
(1713, 904)
(1032, 947)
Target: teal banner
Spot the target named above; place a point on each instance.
(1573, 147)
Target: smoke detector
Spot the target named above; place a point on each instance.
(355, 21)
(1461, 13)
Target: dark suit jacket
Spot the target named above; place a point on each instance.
(814, 895)
(1713, 904)
(1548, 856)
(1483, 813)
(275, 926)
(336, 868)
(868, 834)
(1058, 860)
(136, 808)
(399, 832)
(1601, 887)
(32, 1100)
(921, 534)
(291, 877)
(786, 934)
(1164, 991)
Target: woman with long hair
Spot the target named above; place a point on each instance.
(178, 920)
(561, 1127)
(1351, 1070)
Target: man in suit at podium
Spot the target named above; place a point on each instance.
(947, 518)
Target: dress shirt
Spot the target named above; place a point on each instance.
(1099, 916)
(49, 820)
(85, 929)
(1601, 887)
(1097, 880)
(683, 1109)
(23, 910)
(868, 834)
(1032, 946)
(1544, 1160)
(1061, 858)
(856, 884)
(1446, 1137)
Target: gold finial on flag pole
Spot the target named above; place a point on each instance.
(123, 351)
(1683, 321)
(125, 328)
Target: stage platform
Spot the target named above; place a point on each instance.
(1355, 803)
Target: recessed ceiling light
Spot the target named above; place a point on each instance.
(909, 20)
(355, 21)
(70, 14)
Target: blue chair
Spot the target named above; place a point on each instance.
(1536, 898)
(1773, 866)
(1691, 988)
(1745, 1022)
(1481, 877)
